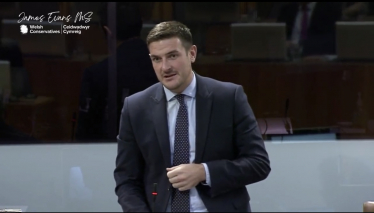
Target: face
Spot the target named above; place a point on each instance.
(172, 63)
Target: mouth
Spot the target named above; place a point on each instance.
(169, 76)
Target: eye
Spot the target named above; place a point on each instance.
(155, 59)
(172, 56)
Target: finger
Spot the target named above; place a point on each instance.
(180, 177)
(178, 185)
(184, 188)
(174, 167)
(172, 174)
(174, 180)
(187, 185)
(174, 171)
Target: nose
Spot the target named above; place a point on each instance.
(165, 65)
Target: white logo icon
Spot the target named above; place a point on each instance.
(24, 29)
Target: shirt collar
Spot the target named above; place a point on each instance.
(189, 91)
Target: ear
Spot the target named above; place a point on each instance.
(193, 53)
(107, 30)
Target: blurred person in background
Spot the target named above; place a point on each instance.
(311, 26)
(134, 73)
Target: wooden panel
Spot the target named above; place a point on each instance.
(162, 11)
(65, 8)
(320, 94)
(60, 79)
(146, 9)
(91, 42)
(245, 6)
(30, 117)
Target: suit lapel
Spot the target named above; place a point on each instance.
(159, 118)
(203, 111)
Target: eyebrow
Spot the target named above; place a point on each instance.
(171, 52)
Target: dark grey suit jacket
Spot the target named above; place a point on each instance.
(228, 140)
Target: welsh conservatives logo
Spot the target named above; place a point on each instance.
(24, 29)
(54, 24)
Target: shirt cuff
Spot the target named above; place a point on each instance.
(207, 176)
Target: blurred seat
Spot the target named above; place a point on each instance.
(369, 206)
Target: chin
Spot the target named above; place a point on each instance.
(170, 87)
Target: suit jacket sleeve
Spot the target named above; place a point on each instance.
(129, 168)
(252, 163)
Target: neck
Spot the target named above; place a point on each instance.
(188, 82)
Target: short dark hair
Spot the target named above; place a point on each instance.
(170, 29)
(129, 22)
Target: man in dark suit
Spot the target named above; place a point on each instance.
(134, 73)
(194, 136)
(312, 25)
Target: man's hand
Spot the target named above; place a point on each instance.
(186, 176)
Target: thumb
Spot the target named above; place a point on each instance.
(170, 169)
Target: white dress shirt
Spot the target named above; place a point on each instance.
(196, 203)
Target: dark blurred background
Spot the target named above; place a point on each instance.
(306, 67)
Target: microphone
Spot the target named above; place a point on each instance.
(287, 104)
(73, 120)
(287, 125)
(154, 193)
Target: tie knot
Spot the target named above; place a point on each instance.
(180, 98)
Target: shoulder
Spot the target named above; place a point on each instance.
(219, 87)
(145, 95)
(138, 103)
